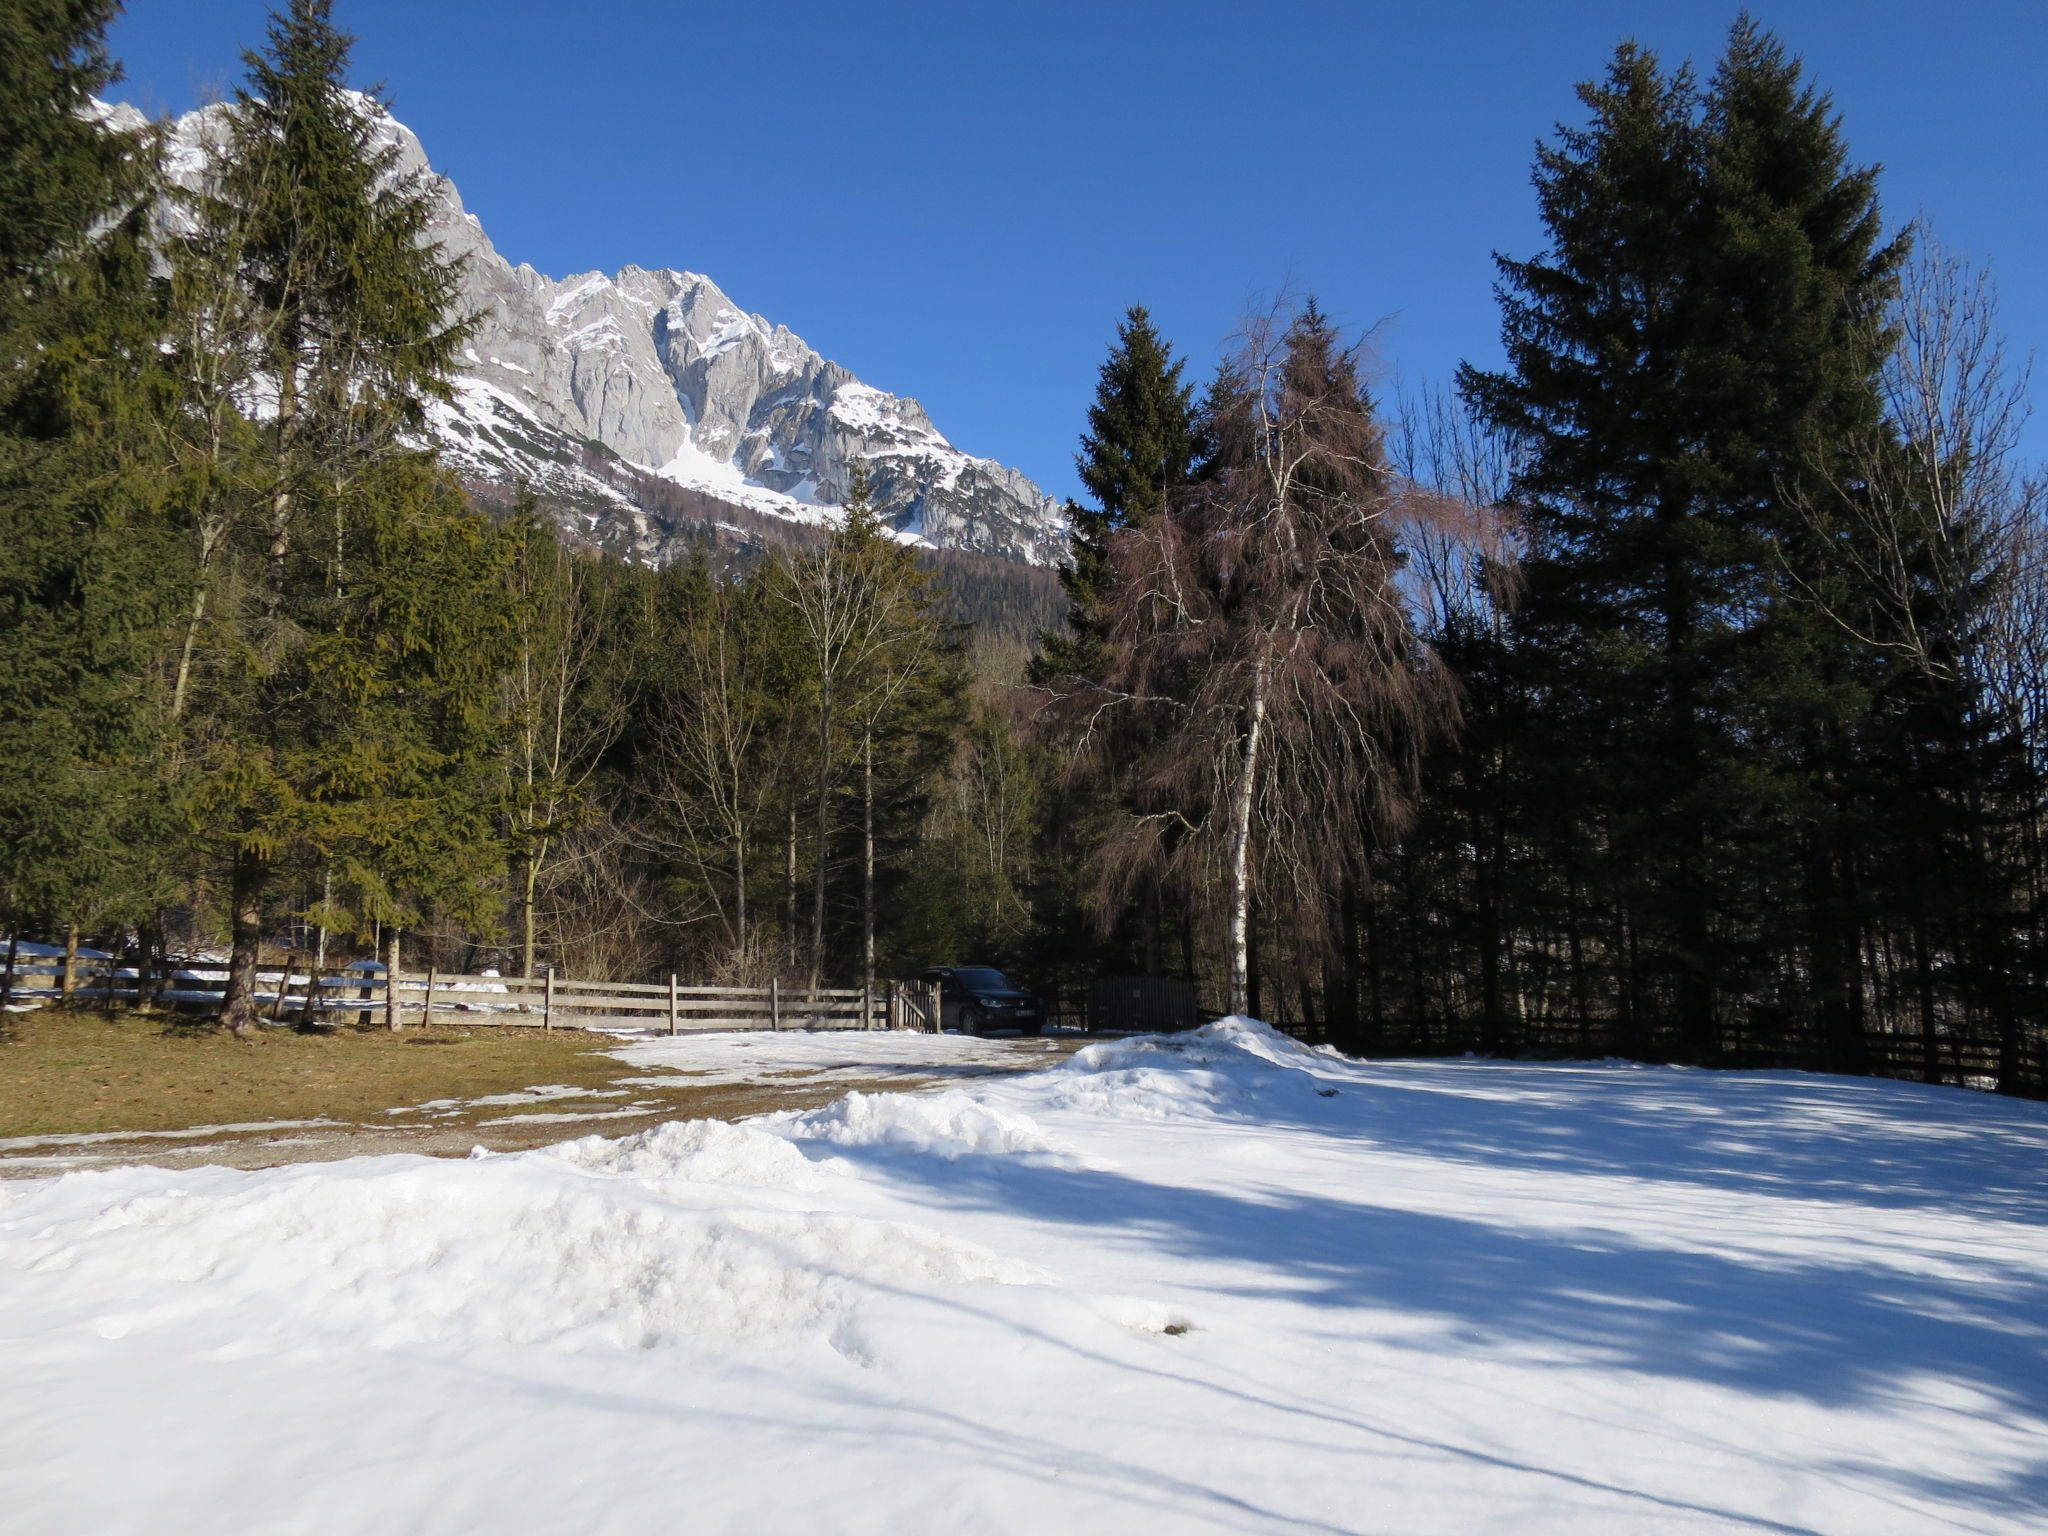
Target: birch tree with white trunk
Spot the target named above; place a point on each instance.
(1267, 693)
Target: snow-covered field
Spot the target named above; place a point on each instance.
(1217, 1283)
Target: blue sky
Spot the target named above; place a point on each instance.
(957, 201)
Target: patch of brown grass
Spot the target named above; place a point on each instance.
(74, 1071)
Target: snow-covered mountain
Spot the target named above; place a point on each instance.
(607, 392)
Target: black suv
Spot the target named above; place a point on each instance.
(976, 999)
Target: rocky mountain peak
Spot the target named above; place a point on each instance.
(600, 389)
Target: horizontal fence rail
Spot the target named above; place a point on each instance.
(548, 1001)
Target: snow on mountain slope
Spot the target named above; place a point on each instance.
(594, 386)
(1202, 1284)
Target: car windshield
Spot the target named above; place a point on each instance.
(980, 978)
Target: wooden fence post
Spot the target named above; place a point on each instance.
(427, 1013)
(547, 1007)
(775, 1002)
(391, 1020)
(867, 1003)
(674, 1007)
(284, 986)
(7, 985)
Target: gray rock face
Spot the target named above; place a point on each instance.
(670, 376)
(597, 390)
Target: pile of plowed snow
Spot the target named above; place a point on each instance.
(1211, 1282)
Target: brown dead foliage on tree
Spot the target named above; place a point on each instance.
(1267, 693)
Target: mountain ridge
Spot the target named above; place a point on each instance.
(596, 389)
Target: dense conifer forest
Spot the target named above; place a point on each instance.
(1674, 690)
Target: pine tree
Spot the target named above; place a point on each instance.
(1697, 334)
(1142, 445)
(61, 174)
(358, 608)
(86, 566)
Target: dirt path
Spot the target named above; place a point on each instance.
(644, 1094)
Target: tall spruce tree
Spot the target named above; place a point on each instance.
(85, 564)
(1142, 448)
(359, 615)
(1681, 358)
(1142, 445)
(1796, 254)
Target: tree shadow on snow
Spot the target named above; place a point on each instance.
(1820, 1327)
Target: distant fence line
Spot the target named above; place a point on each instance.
(289, 994)
(1948, 1055)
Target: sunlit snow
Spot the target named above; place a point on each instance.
(1214, 1283)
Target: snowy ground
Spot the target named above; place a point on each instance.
(1217, 1284)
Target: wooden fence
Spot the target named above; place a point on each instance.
(1960, 1058)
(290, 994)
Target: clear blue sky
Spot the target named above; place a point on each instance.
(957, 200)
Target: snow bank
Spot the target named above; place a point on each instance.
(705, 1151)
(948, 1125)
(583, 1247)
(1236, 1066)
(1210, 1283)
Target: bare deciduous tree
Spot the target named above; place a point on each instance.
(561, 722)
(871, 630)
(1934, 510)
(1267, 693)
(723, 752)
(1461, 561)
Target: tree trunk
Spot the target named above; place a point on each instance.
(238, 1012)
(789, 882)
(189, 645)
(68, 984)
(739, 896)
(822, 835)
(867, 860)
(529, 881)
(391, 1017)
(281, 496)
(1241, 846)
(326, 896)
(280, 554)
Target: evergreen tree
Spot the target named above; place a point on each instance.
(1681, 361)
(1142, 445)
(61, 174)
(359, 616)
(86, 566)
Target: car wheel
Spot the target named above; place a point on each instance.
(970, 1020)
(1030, 1029)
